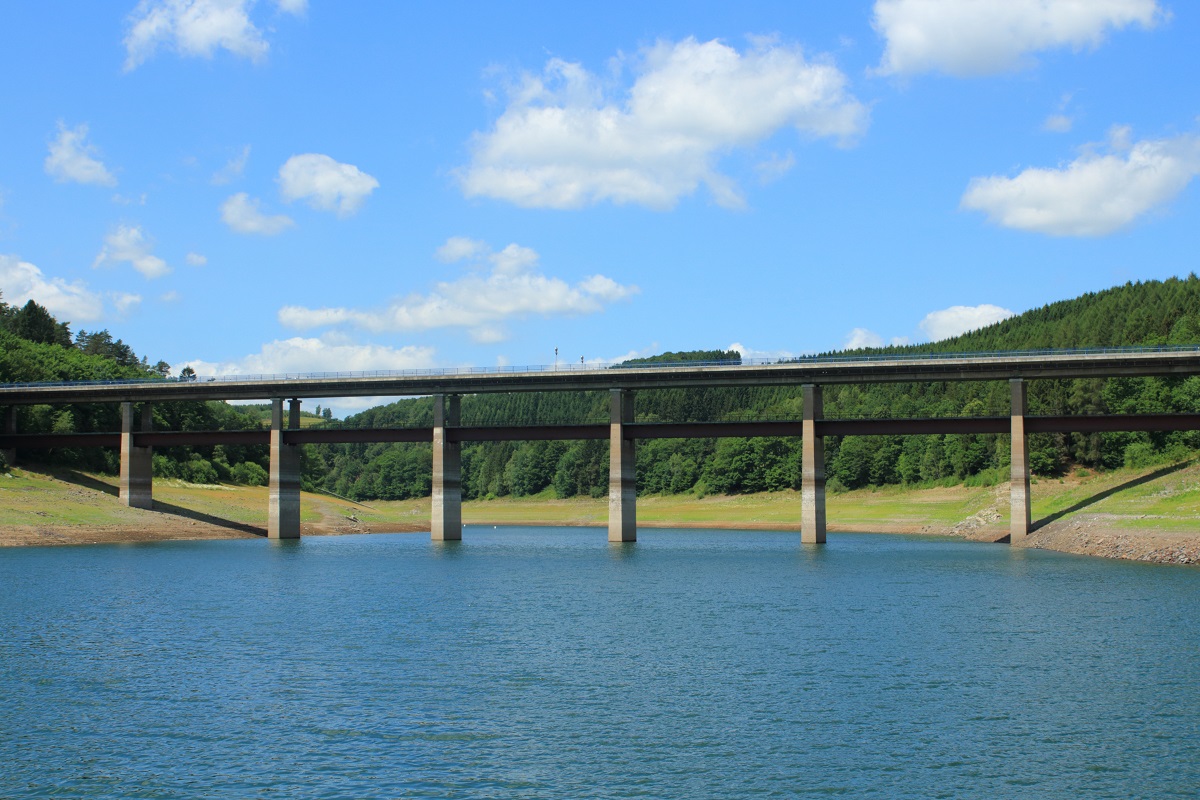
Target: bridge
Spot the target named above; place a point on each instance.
(136, 440)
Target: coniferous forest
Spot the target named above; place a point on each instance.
(36, 347)
(1151, 313)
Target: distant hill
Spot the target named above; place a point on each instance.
(36, 347)
(1145, 313)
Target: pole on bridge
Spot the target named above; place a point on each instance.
(446, 522)
(10, 428)
(812, 468)
(1021, 520)
(136, 488)
(283, 504)
(622, 470)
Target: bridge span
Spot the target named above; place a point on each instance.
(136, 440)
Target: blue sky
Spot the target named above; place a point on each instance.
(303, 186)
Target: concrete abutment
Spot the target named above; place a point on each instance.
(136, 486)
(283, 503)
(1021, 520)
(446, 522)
(622, 470)
(812, 469)
(10, 428)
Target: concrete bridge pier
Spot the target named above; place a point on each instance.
(136, 488)
(283, 504)
(10, 428)
(446, 522)
(1021, 520)
(622, 470)
(812, 468)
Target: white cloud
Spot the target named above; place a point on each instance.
(763, 355)
(233, 168)
(980, 37)
(241, 213)
(326, 184)
(125, 301)
(1058, 123)
(956, 320)
(566, 141)
(1094, 195)
(170, 296)
(504, 285)
(197, 28)
(72, 158)
(21, 282)
(311, 355)
(130, 244)
(774, 168)
(488, 334)
(458, 248)
(860, 338)
(196, 260)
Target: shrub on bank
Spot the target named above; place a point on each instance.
(248, 473)
(194, 470)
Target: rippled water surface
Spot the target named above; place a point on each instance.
(547, 663)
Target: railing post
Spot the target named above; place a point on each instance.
(1021, 520)
(812, 469)
(622, 470)
(136, 487)
(446, 522)
(283, 503)
(10, 428)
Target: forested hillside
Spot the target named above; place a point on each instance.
(36, 347)
(1150, 313)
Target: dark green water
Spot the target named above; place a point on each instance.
(546, 663)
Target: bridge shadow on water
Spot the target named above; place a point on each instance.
(87, 481)
(1109, 492)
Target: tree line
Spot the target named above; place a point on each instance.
(35, 347)
(1147, 313)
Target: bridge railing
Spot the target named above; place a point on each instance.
(897, 358)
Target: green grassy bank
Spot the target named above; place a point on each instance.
(1159, 498)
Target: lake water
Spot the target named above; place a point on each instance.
(542, 662)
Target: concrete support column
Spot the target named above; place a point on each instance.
(812, 469)
(1021, 521)
(283, 503)
(622, 470)
(137, 463)
(10, 428)
(446, 522)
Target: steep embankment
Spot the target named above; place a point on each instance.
(1149, 514)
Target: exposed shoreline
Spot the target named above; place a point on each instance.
(1081, 537)
(202, 513)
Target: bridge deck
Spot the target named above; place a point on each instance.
(826, 371)
(633, 430)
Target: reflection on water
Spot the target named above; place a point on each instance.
(541, 662)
